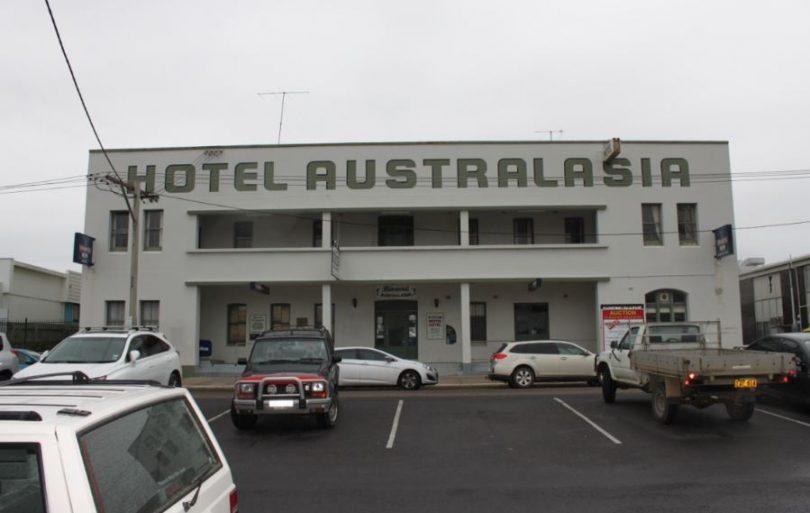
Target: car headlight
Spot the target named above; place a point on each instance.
(289, 389)
(246, 390)
(318, 387)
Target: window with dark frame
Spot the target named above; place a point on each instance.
(478, 321)
(243, 234)
(666, 305)
(114, 313)
(237, 324)
(119, 231)
(687, 224)
(395, 231)
(651, 224)
(152, 230)
(474, 241)
(523, 230)
(574, 230)
(317, 233)
(280, 316)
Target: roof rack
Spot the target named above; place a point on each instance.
(76, 378)
(293, 329)
(118, 329)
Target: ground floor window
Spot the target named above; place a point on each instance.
(280, 316)
(665, 305)
(478, 322)
(531, 321)
(237, 324)
(150, 313)
(114, 315)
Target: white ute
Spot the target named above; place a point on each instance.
(80, 446)
(684, 363)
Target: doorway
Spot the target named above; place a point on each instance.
(395, 328)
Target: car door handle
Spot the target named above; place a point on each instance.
(563, 358)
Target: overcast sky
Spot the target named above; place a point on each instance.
(187, 73)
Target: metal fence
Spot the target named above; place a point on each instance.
(37, 336)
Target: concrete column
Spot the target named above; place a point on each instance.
(326, 231)
(464, 227)
(464, 328)
(326, 306)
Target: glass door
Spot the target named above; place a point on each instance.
(395, 328)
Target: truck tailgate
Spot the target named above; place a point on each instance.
(712, 362)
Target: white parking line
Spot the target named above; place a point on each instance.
(394, 427)
(589, 421)
(766, 412)
(215, 417)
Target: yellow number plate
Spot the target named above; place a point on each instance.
(745, 383)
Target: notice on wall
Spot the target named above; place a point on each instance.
(616, 319)
(257, 324)
(435, 325)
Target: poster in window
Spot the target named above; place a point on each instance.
(435, 325)
(257, 324)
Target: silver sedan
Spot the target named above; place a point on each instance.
(361, 366)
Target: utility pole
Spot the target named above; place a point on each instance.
(283, 97)
(550, 133)
(135, 248)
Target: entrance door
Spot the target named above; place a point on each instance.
(395, 328)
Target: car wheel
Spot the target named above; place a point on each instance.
(608, 386)
(663, 411)
(329, 419)
(409, 380)
(243, 421)
(174, 380)
(522, 377)
(740, 411)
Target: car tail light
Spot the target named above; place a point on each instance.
(693, 378)
(234, 501)
(499, 356)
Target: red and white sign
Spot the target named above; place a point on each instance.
(616, 319)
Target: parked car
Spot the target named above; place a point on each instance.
(8, 362)
(113, 354)
(797, 388)
(84, 447)
(522, 363)
(26, 357)
(360, 366)
(288, 372)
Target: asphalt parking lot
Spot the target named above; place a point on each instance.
(546, 449)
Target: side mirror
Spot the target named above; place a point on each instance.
(337, 359)
(614, 344)
(241, 361)
(134, 355)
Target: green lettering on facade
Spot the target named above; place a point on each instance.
(578, 168)
(646, 173)
(351, 175)
(471, 168)
(618, 176)
(269, 178)
(172, 182)
(402, 174)
(539, 179)
(436, 166)
(512, 169)
(149, 178)
(321, 171)
(242, 174)
(680, 172)
(213, 171)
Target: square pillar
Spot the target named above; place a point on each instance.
(326, 306)
(326, 232)
(464, 328)
(464, 227)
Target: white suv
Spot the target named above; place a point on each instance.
(522, 363)
(113, 447)
(112, 353)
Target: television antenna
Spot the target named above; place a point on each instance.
(550, 133)
(283, 97)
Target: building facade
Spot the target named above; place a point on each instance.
(36, 294)
(774, 298)
(436, 251)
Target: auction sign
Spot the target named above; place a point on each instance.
(616, 319)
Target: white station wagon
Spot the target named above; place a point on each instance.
(110, 353)
(87, 447)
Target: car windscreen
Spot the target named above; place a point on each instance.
(87, 350)
(288, 350)
(147, 459)
(21, 478)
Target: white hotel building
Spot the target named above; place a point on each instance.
(497, 240)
